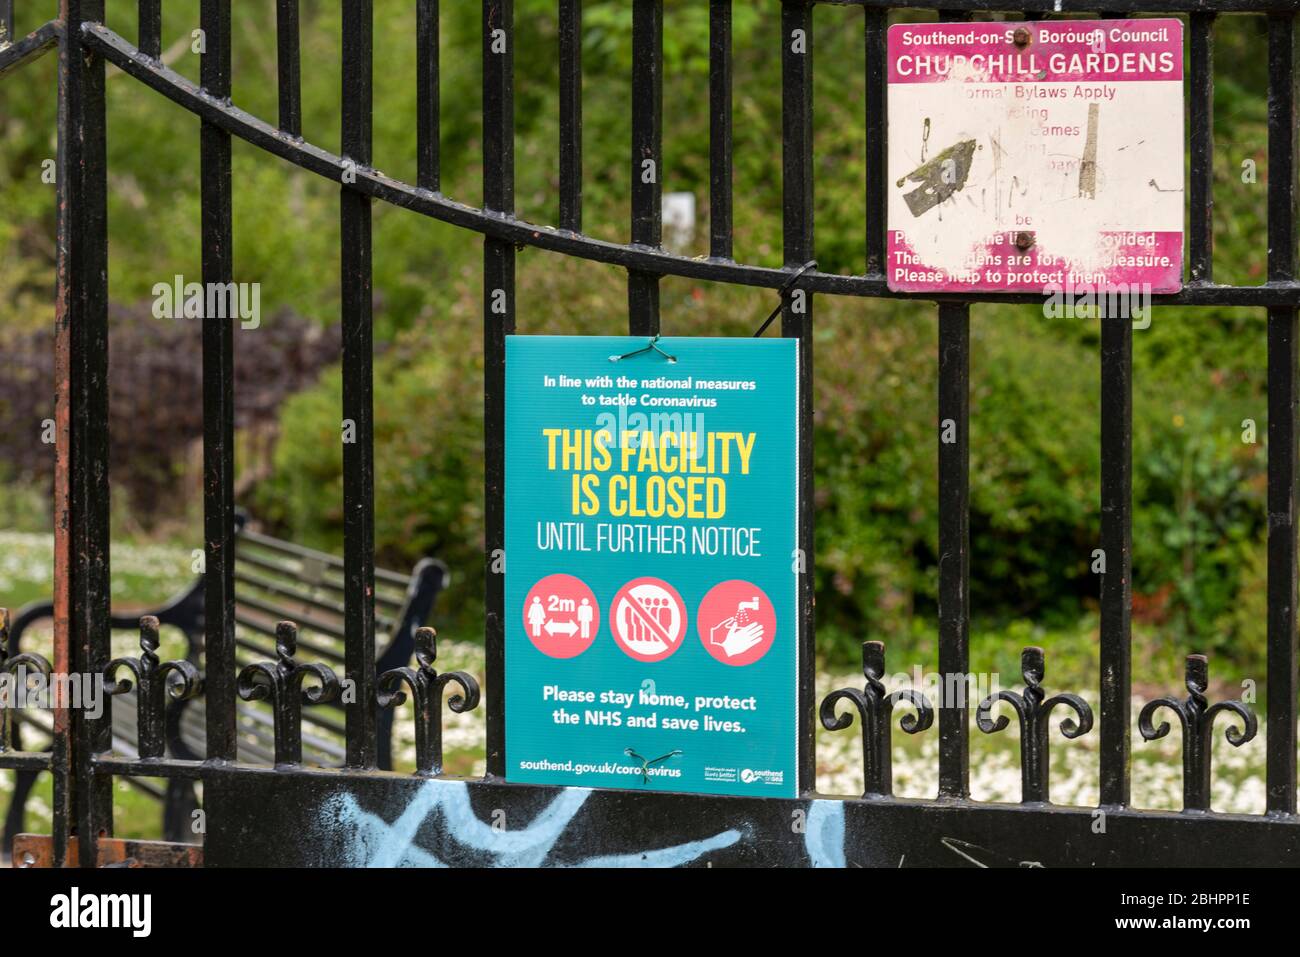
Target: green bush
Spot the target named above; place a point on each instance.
(1200, 516)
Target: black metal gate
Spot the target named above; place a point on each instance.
(288, 813)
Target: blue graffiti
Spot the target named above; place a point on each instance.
(374, 842)
(824, 838)
(371, 841)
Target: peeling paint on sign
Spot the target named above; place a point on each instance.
(1061, 161)
(939, 178)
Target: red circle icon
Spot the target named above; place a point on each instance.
(736, 623)
(648, 619)
(561, 616)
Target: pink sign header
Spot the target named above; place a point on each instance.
(1050, 51)
(1132, 260)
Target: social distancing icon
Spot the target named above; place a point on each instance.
(561, 617)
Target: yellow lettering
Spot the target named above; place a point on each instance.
(551, 436)
(602, 461)
(745, 446)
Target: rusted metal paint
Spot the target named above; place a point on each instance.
(37, 850)
(31, 47)
(61, 506)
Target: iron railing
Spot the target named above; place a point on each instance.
(82, 763)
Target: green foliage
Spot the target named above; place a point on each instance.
(1203, 521)
(1200, 515)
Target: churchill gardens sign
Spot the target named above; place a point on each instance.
(1036, 156)
(651, 571)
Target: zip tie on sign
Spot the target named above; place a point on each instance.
(645, 764)
(652, 345)
(785, 287)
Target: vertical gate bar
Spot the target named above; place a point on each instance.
(150, 39)
(218, 397)
(647, 159)
(875, 31)
(498, 322)
(1280, 774)
(83, 800)
(358, 393)
(1283, 432)
(69, 119)
(427, 116)
(1200, 187)
(287, 64)
(1117, 547)
(954, 549)
(93, 579)
(954, 540)
(571, 115)
(6, 21)
(720, 139)
(796, 323)
(1283, 111)
(66, 229)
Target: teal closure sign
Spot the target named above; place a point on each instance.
(651, 567)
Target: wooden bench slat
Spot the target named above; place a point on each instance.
(268, 651)
(302, 619)
(335, 584)
(383, 623)
(41, 720)
(252, 721)
(301, 551)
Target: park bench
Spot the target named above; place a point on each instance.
(274, 580)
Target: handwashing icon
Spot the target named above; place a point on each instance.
(738, 633)
(736, 623)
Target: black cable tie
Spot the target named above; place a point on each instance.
(785, 287)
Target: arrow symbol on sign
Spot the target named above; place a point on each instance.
(567, 627)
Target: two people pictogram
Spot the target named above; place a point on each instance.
(561, 616)
(539, 619)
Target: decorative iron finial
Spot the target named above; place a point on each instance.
(1197, 716)
(174, 680)
(875, 709)
(1035, 723)
(282, 682)
(20, 667)
(427, 688)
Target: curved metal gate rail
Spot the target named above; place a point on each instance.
(871, 830)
